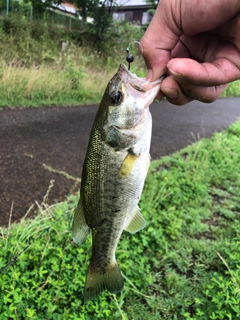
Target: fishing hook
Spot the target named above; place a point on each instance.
(129, 58)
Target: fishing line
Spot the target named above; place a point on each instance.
(140, 49)
(139, 44)
(130, 59)
(118, 86)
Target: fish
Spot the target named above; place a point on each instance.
(114, 170)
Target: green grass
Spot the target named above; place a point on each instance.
(232, 90)
(184, 265)
(35, 72)
(46, 86)
(65, 83)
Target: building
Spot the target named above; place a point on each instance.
(134, 11)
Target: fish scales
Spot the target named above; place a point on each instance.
(114, 171)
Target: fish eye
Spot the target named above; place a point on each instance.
(116, 97)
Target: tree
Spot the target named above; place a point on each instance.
(39, 7)
(102, 20)
(101, 13)
(84, 7)
(154, 3)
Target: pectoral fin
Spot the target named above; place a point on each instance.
(127, 165)
(136, 222)
(80, 228)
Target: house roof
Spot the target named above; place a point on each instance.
(66, 7)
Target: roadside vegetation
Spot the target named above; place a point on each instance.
(185, 265)
(35, 70)
(44, 63)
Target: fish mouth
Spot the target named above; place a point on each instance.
(138, 83)
(134, 95)
(127, 131)
(137, 87)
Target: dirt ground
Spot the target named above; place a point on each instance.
(37, 144)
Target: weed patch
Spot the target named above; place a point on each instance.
(46, 86)
(232, 90)
(35, 71)
(183, 266)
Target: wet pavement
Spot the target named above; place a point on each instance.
(37, 143)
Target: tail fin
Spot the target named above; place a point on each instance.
(98, 281)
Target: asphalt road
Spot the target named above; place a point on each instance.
(32, 140)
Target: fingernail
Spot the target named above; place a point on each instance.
(171, 93)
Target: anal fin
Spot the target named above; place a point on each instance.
(136, 221)
(80, 228)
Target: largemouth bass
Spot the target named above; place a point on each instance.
(114, 171)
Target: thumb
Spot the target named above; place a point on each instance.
(159, 40)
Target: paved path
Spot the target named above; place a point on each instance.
(32, 140)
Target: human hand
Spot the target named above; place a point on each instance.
(197, 44)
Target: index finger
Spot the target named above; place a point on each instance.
(156, 59)
(156, 46)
